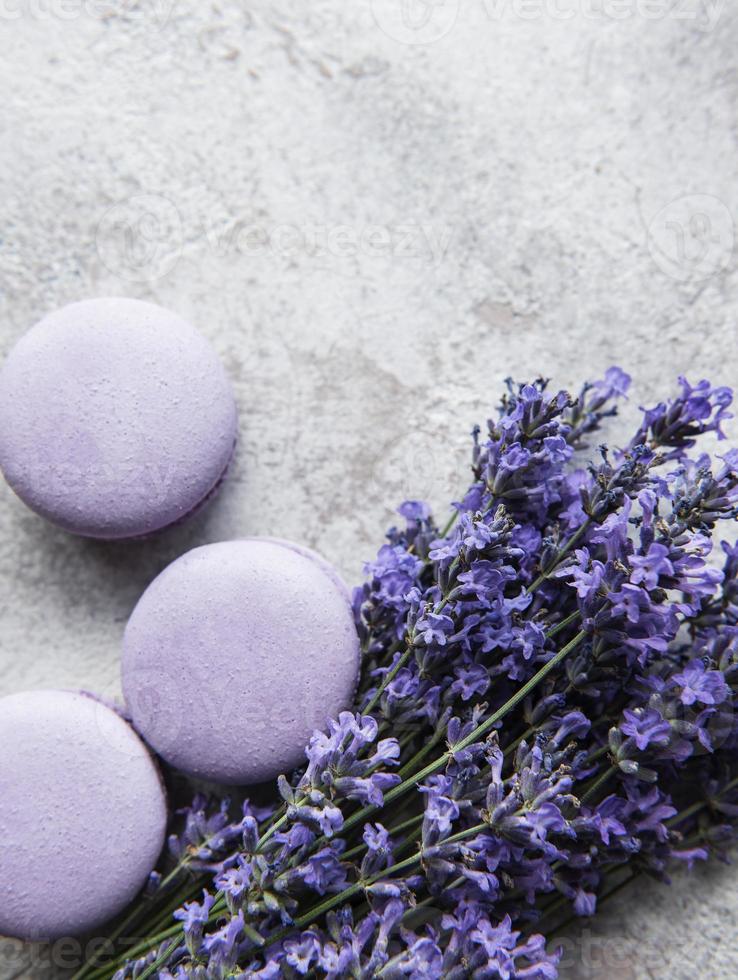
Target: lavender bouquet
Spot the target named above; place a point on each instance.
(546, 712)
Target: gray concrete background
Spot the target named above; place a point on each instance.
(376, 213)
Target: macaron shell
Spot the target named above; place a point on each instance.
(116, 418)
(82, 814)
(330, 570)
(234, 655)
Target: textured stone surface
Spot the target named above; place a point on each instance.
(373, 234)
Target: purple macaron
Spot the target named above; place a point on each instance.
(82, 814)
(235, 654)
(330, 570)
(116, 418)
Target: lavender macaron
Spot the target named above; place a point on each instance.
(82, 814)
(116, 418)
(235, 654)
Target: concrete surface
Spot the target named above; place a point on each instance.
(376, 213)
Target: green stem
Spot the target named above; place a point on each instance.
(473, 736)
(567, 621)
(560, 903)
(388, 678)
(690, 811)
(89, 970)
(561, 553)
(160, 961)
(403, 659)
(397, 791)
(271, 830)
(594, 756)
(516, 742)
(420, 755)
(598, 783)
(351, 821)
(115, 936)
(409, 840)
(397, 829)
(449, 524)
(330, 903)
(699, 805)
(143, 947)
(340, 898)
(186, 893)
(520, 695)
(443, 533)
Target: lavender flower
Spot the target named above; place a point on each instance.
(546, 703)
